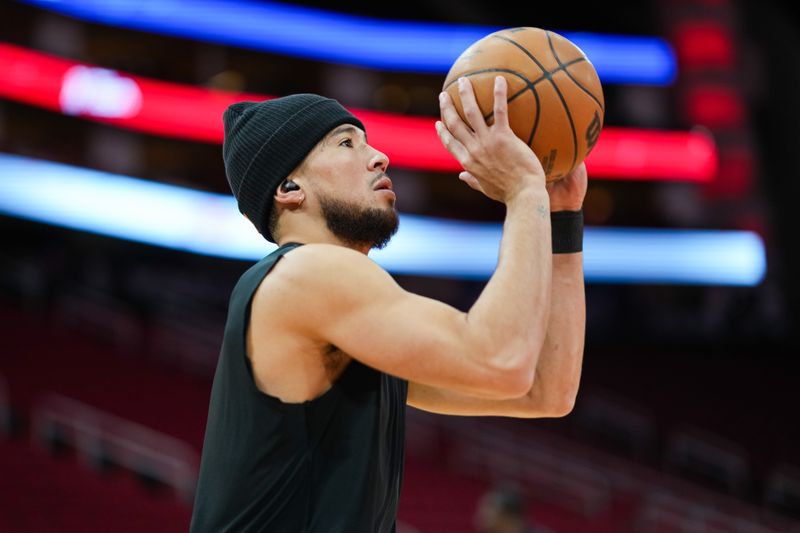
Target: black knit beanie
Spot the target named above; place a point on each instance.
(266, 141)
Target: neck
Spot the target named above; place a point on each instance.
(319, 237)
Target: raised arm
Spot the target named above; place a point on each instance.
(558, 371)
(490, 351)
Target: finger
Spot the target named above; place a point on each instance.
(452, 144)
(500, 101)
(470, 105)
(457, 127)
(471, 180)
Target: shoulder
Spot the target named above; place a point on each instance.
(315, 285)
(320, 265)
(316, 274)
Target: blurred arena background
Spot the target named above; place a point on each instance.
(121, 244)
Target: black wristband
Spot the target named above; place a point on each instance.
(567, 231)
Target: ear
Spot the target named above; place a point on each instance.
(290, 199)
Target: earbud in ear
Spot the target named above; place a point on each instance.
(288, 186)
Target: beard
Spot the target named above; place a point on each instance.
(359, 226)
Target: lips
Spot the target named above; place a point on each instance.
(383, 184)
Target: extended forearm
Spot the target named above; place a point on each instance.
(512, 312)
(559, 367)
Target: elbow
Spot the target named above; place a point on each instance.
(565, 390)
(564, 403)
(502, 384)
(508, 368)
(517, 384)
(563, 408)
(513, 379)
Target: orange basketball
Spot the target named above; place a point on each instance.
(555, 100)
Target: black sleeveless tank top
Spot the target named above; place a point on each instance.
(332, 464)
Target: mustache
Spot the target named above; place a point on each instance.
(379, 176)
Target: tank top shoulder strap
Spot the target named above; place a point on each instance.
(255, 274)
(234, 342)
(249, 281)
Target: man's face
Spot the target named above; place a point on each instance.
(347, 178)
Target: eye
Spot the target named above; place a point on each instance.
(346, 142)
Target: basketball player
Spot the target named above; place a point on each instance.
(323, 350)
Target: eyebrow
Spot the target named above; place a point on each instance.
(347, 128)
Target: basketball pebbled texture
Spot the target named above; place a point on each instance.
(555, 99)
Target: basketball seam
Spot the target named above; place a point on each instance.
(528, 85)
(524, 50)
(484, 71)
(516, 95)
(558, 92)
(508, 70)
(538, 113)
(567, 72)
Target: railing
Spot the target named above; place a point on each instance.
(499, 454)
(189, 341)
(668, 512)
(99, 436)
(710, 458)
(99, 312)
(581, 479)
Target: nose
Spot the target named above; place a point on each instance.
(378, 161)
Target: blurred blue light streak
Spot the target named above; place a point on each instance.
(207, 223)
(354, 40)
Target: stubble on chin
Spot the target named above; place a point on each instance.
(360, 226)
